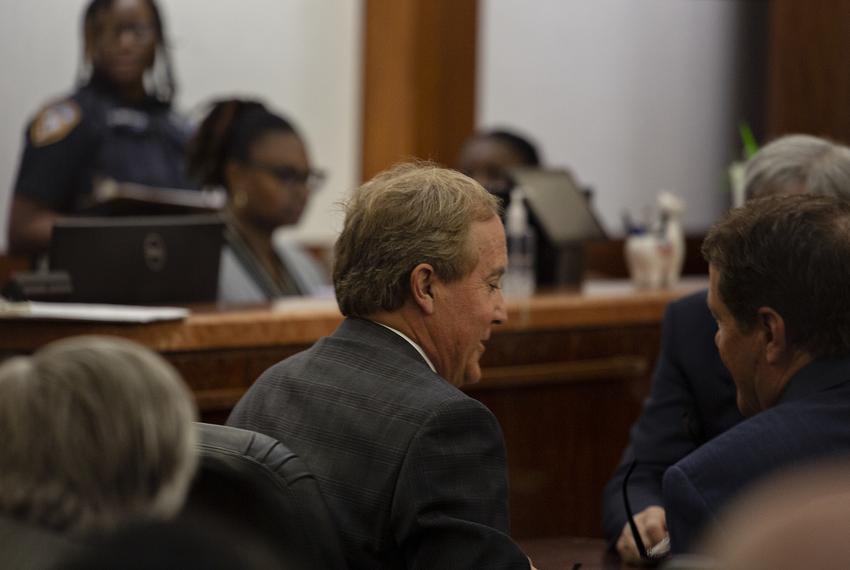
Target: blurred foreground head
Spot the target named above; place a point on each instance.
(800, 519)
(193, 544)
(96, 431)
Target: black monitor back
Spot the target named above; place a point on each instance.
(563, 217)
(139, 260)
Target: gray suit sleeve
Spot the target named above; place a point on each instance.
(450, 506)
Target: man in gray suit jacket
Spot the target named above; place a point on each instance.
(411, 468)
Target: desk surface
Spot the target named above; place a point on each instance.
(303, 321)
(565, 553)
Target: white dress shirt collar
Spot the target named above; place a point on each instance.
(413, 344)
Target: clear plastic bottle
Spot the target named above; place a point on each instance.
(519, 280)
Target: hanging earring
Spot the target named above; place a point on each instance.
(149, 82)
(85, 71)
(240, 198)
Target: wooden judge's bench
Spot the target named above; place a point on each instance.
(565, 376)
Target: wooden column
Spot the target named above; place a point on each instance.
(419, 80)
(809, 68)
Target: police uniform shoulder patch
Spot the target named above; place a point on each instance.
(54, 122)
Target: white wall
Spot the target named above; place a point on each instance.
(633, 96)
(301, 56)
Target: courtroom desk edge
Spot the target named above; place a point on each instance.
(600, 303)
(304, 321)
(201, 330)
(557, 310)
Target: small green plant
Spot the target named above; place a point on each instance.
(748, 140)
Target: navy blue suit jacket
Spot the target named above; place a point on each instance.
(692, 401)
(810, 421)
(412, 469)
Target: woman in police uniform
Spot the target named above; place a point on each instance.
(118, 124)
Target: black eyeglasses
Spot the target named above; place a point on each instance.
(289, 176)
(655, 554)
(141, 33)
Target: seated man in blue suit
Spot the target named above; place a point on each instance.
(412, 469)
(779, 289)
(693, 397)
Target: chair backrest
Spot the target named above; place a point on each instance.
(260, 487)
(26, 546)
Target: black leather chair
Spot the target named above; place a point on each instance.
(25, 546)
(262, 489)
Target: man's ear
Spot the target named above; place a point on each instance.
(422, 281)
(772, 327)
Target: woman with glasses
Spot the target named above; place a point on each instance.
(118, 125)
(259, 158)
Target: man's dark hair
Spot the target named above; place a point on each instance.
(790, 253)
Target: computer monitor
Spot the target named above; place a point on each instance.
(139, 260)
(563, 217)
(558, 204)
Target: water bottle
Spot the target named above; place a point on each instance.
(519, 280)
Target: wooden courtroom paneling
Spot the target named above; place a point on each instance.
(9, 265)
(809, 68)
(604, 258)
(563, 442)
(419, 80)
(565, 399)
(565, 376)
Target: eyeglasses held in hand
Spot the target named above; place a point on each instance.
(658, 552)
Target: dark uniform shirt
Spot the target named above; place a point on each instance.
(91, 135)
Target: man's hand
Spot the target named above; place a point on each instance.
(652, 525)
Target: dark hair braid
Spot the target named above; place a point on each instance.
(228, 132)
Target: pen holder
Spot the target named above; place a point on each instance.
(653, 262)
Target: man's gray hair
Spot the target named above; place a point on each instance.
(94, 431)
(410, 214)
(799, 163)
